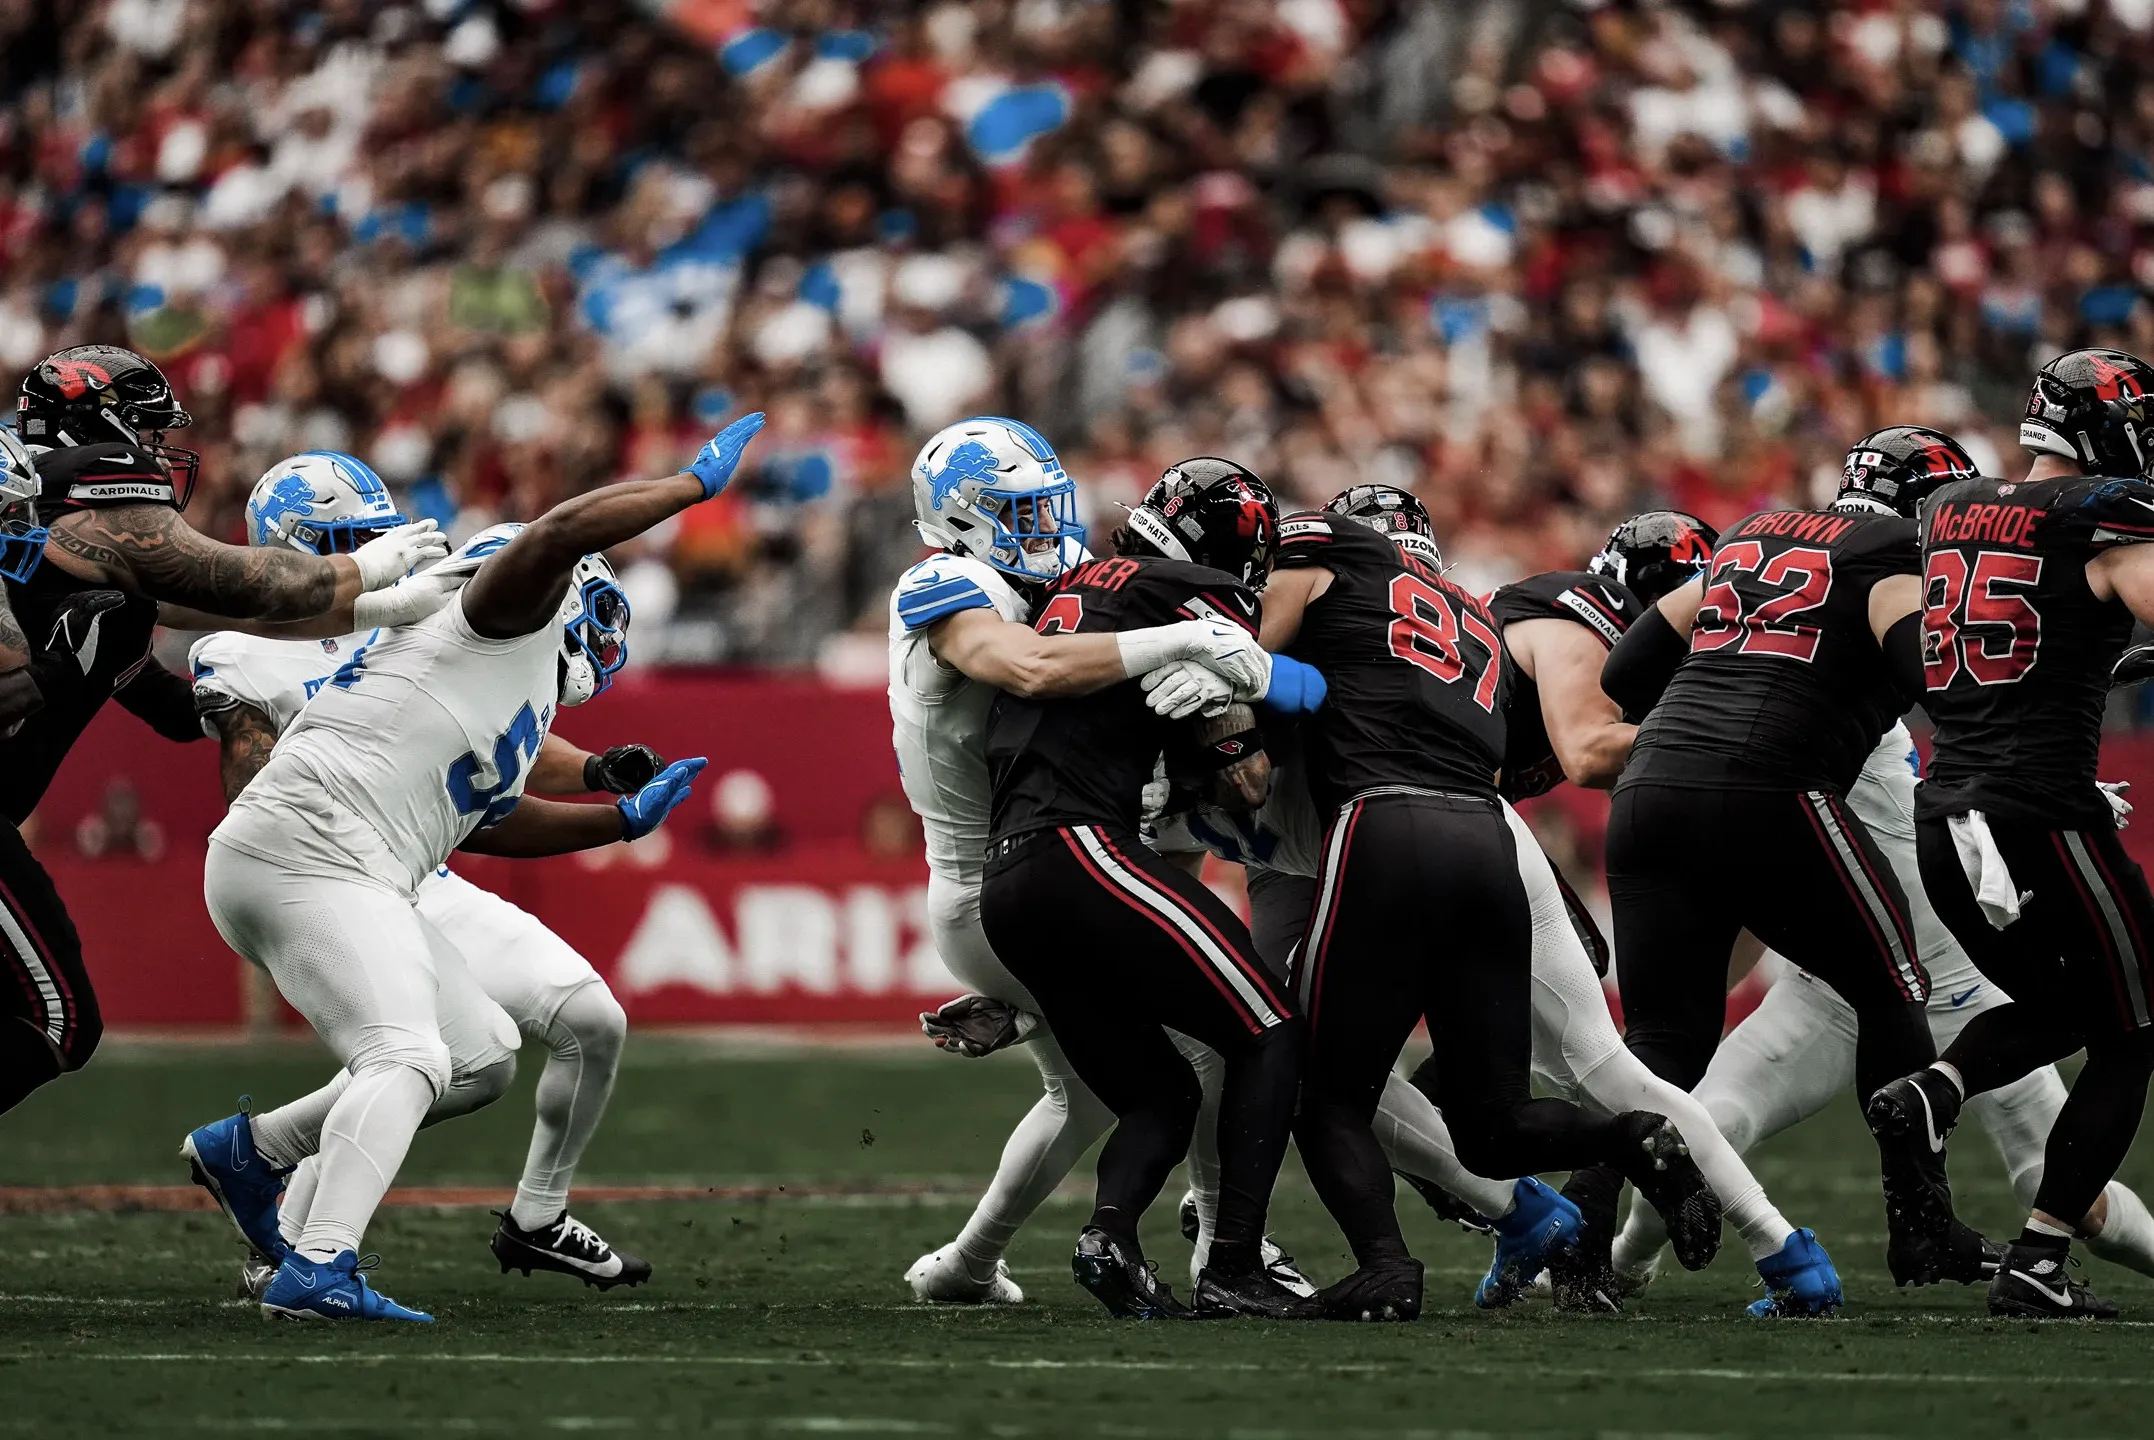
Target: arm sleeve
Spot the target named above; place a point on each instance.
(1903, 659)
(1642, 663)
(163, 700)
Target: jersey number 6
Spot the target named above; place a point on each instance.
(1426, 634)
(1062, 616)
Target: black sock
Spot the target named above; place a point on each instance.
(1120, 1225)
(1234, 1257)
(2038, 1240)
(1595, 1190)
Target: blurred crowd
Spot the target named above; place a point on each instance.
(1543, 263)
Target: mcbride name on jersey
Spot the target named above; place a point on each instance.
(1085, 761)
(1599, 604)
(424, 737)
(1785, 687)
(2016, 649)
(276, 677)
(938, 714)
(1417, 673)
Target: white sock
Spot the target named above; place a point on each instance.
(2127, 1233)
(298, 1199)
(1039, 1155)
(363, 1143)
(1416, 1140)
(290, 1133)
(1204, 1148)
(1637, 1244)
(586, 1038)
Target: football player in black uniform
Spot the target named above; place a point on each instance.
(1404, 757)
(1118, 944)
(94, 418)
(1802, 650)
(2030, 588)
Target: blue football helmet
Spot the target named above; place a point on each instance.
(594, 630)
(993, 489)
(322, 501)
(22, 539)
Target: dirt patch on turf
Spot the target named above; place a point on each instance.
(126, 1199)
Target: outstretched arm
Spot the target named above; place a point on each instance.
(149, 550)
(517, 591)
(1585, 727)
(1017, 658)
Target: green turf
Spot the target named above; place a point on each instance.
(788, 1315)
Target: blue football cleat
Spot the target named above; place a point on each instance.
(306, 1289)
(1542, 1223)
(1799, 1280)
(226, 1164)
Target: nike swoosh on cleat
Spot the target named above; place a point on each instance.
(1964, 996)
(1929, 1123)
(2062, 1297)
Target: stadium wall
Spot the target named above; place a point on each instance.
(808, 926)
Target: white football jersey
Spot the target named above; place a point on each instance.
(425, 735)
(1286, 833)
(938, 714)
(276, 677)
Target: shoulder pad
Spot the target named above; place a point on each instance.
(1305, 535)
(2108, 512)
(942, 585)
(110, 473)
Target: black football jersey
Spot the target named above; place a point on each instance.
(1785, 687)
(1596, 602)
(2016, 648)
(75, 478)
(1417, 672)
(1085, 760)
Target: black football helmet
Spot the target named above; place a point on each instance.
(1211, 512)
(95, 394)
(1900, 465)
(2094, 407)
(1394, 514)
(1654, 553)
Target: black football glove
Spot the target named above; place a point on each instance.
(973, 1025)
(75, 626)
(2133, 666)
(623, 770)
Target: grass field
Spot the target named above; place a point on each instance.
(781, 1310)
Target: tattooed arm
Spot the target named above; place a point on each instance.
(20, 696)
(151, 551)
(245, 738)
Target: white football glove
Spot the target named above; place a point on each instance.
(2119, 807)
(1217, 645)
(1186, 688)
(390, 556)
(408, 601)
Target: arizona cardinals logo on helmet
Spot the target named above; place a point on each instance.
(76, 378)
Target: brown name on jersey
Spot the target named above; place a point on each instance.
(2011, 525)
(1798, 524)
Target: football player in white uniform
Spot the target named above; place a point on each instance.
(248, 690)
(417, 747)
(992, 498)
(1795, 1053)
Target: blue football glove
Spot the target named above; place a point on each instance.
(716, 461)
(647, 809)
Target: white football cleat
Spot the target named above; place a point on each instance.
(942, 1277)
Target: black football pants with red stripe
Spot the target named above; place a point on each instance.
(2079, 966)
(1420, 913)
(1690, 869)
(48, 1013)
(1119, 946)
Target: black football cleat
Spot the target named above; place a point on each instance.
(2032, 1284)
(1122, 1281)
(1448, 1206)
(1916, 1113)
(1671, 1182)
(1583, 1278)
(1256, 1292)
(568, 1247)
(1385, 1293)
(1959, 1256)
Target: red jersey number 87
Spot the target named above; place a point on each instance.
(1426, 634)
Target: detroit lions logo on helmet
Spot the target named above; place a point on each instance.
(969, 461)
(291, 497)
